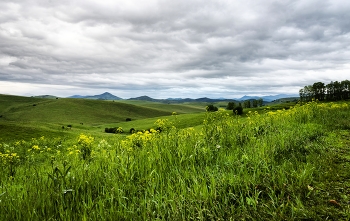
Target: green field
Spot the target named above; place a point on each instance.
(34, 117)
(281, 162)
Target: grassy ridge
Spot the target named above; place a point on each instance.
(27, 117)
(271, 166)
(72, 110)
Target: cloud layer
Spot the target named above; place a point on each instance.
(163, 48)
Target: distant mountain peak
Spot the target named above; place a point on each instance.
(143, 98)
(106, 93)
(104, 96)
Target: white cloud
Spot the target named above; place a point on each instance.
(172, 48)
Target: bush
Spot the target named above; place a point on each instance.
(111, 130)
(238, 110)
(119, 130)
(128, 119)
(211, 107)
(132, 130)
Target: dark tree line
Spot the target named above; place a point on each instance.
(246, 104)
(333, 91)
(253, 103)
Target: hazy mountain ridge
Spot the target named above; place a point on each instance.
(268, 98)
(46, 96)
(109, 96)
(104, 96)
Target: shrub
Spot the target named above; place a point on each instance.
(119, 130)
(111, 130)
(211, 107)
(128, 119)
(132, 130)
(238, 110)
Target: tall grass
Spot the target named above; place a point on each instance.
(263, 167)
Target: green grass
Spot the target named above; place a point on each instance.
(75, 111)
(282, 165)
(38, 116)
(178, 108)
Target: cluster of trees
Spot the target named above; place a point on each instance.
(237, 110)
(246, 104)
(253, 103)
(331, 92)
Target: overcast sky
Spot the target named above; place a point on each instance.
(181, 48)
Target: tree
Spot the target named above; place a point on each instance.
(346, 89)
(302, 95)
(309, 92)
(319, 90)
(246, 104)
(330, 91)
(255, 103)
(230, 105)
(260, 102)
(337, 90)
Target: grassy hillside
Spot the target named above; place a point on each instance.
(281, 165)
(179, 108)
(71, 111)
(26, 117)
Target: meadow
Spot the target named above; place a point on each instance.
(267, 165)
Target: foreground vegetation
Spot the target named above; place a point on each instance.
(281, 165)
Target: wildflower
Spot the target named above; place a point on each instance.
(36, 147)
(85, 140)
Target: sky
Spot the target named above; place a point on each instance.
(167, 48)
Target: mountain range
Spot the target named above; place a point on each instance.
(268, 98)
(109, 96)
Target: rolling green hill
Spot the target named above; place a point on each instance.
(28, 117)
(71, 111)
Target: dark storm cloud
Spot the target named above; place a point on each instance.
(177, 48)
